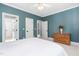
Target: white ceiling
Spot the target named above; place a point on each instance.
(50, 8)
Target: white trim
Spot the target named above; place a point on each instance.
(62, 10)
(74, 43)
(3, 15)
(19, 8)
(38, 15)
(50, 39)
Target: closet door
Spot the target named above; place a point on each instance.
(10, 28)
(45, 29)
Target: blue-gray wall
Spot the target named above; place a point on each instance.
(22, 15)
(69, 19)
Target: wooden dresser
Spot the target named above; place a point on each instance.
(62, 38)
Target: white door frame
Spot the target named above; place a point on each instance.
(3, 29)
(43, 30)
(25, 26)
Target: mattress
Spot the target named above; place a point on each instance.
(31, 47)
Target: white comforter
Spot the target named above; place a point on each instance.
(31, 47)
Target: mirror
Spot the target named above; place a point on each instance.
(61, 29)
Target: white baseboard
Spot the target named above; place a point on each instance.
(51, 39)
(74, 43)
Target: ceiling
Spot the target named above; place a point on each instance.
(49, 8)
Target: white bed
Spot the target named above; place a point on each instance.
(31, 47)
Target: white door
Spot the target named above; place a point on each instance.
(39, 28)
(45, 29)
(29, 28)
(10, 27)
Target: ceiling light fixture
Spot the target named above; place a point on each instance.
(40, 6)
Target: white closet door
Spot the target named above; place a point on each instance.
(45, 29)
(10, 28)
(29, 28)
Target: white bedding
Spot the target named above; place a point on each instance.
(31, 47)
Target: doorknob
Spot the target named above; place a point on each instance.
(16, 29)
(27, 31)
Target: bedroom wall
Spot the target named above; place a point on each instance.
(69, 19)
(22, 15)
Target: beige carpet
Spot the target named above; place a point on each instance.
(72, 50)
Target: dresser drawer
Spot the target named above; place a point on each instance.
(62, 38)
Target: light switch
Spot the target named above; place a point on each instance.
(23, 28)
